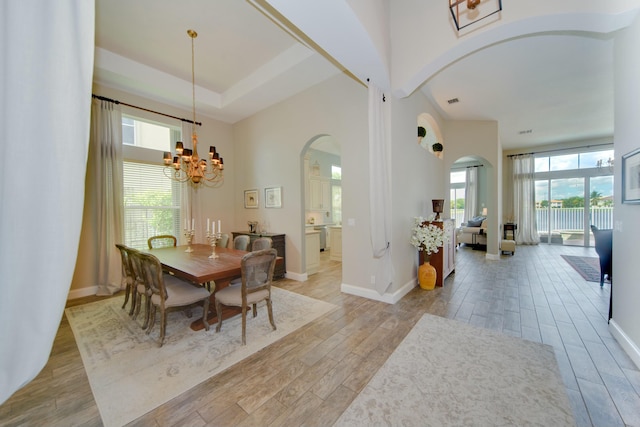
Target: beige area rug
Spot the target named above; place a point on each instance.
(130, 375)
(448, 373)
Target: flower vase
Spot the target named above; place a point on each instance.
(427, 276)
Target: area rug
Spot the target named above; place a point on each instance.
(449, 373)
(588, 267)
(130, 375)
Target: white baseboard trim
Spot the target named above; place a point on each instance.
(492, 257)
(389, 298)
(296, 276)
(625, 342)
(82, 292)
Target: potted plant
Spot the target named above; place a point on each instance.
(428, 238)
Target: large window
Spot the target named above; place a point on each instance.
(573, 192)
(151, 199)
(457, 195)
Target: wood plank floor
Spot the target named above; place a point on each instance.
(311, 376)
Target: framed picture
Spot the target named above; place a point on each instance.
(273, 197)
(631, 177)
(251, 199)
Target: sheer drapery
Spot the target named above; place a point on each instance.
(379, 196)
(103, 205)
(524, 199)
(470, 193)
(46, 71)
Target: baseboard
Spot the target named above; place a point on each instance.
(492, 257)
(625, 342)
(82, 292)
(296, 276)
(389, 298)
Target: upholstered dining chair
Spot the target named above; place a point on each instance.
(140, 287)
(261, 243)
(128, 277)
(169, 292)
(162, 241)
(241, 242)
(223, 242)
(604, 249)
(257, 274)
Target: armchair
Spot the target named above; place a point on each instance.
(473, 232)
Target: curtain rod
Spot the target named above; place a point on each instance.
(103, 98)
(559, 149)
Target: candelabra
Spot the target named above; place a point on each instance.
(213, 240)
(189, 235)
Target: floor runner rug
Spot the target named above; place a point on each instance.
(130, 375)
(449, 373)
(588, 267)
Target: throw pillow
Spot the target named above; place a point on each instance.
(475, 222)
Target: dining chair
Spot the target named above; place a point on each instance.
(241, 242)
(140, 287)
(261, 243)
(224, 240)
(128, 278)
(257, 274)
(162, 241)
(167, 292)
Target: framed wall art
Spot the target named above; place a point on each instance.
(251, 199)
(631, 177)
(273, 197)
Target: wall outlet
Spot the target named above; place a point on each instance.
(373, 280)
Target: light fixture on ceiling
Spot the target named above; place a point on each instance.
(187, 166)
(467, 12)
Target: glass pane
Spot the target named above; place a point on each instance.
(567, 210)
(336, 205)
(458, 177)
(601, 199)
(336, 172)
(597, 159)
(542, 164)
(146, 135)
(542, 211)
(456, 200)
(563, 163)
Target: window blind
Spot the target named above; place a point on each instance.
(151, 203)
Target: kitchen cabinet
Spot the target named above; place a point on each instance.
(277, 243)
(335, 253)
(312, 251)
(444, 260)
(319, 193)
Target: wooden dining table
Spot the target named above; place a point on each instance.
(199, 269)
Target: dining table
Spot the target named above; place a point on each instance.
(198, 268)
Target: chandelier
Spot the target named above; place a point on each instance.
(187, 166)
(467, 12)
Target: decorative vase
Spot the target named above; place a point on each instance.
(427, 276)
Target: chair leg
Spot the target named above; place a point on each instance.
(152, 319)
(127, 290)
(270, 310)
(219, 314)
(205, 313)
(255, 310)
(134, 300)
(244, 325)
(163, 325)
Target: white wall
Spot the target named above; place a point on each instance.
(626, 290)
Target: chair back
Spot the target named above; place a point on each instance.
(127, 272)
(261, 243)
(603, 240)
(162, 241)
(152, 275)
(224, 240)
(241, 242)
(257, 271)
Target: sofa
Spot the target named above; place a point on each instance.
(473, 232)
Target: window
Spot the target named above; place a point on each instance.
(151, 203)
(336, 172)
(151, 199)
(457, 195)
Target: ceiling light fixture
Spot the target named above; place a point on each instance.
(187, 166)
(467, 12)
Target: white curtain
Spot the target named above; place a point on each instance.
(379, 194)
(103, 208)
(471, 194)
(46, 71)
(524, 199)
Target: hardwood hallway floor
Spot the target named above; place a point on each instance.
(311, 376)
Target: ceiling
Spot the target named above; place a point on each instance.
(541, 89)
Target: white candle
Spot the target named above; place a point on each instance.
(193, 224)
(219, 228)
(213, 226)
(208, 226)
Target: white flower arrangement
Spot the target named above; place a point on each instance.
(429, 237)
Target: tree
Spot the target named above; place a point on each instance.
(573, 202)
(595, 198)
